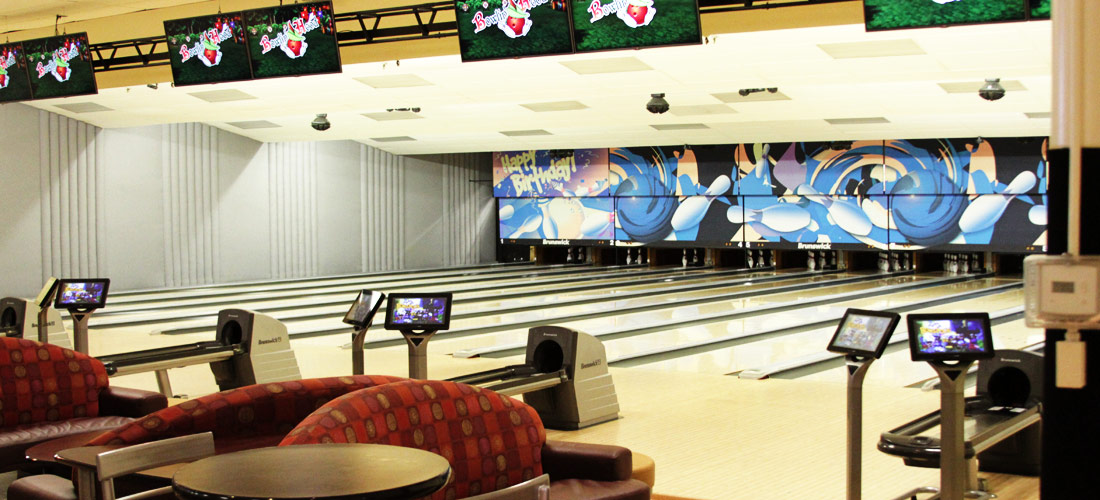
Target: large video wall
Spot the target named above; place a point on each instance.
(947, 194)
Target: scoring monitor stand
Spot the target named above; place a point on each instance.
(81, 297)
(418, 316)
(862, 337)
(48, 329)
(360, 317)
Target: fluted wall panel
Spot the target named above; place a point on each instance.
(382, 212)
(460, 245)
(71, 197)
(292, 168)
(190, 181)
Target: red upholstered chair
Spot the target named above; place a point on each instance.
(247, 417)
(47, 392)
(492, 441)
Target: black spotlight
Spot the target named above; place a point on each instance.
(657, 104)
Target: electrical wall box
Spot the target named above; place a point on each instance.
(1062, 291)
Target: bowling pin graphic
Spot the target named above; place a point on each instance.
(781, 217)
(694, 208)
(987, 209)
(845, 214)
(530, 224)
(506, 212)
(811, 263)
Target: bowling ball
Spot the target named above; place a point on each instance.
(646, 219)
(929, 215)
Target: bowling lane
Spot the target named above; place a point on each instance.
(723, 361)
(174, 294)
(790, 346)
(336, 304)
(501, 280)
(898, 368)
(612, 322)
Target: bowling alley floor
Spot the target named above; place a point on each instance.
(710, 436)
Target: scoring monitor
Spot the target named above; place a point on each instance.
(363, 309)
(82, 293)
(864, 333)
(418, 311)
(950, 337)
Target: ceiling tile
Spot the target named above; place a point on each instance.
(872, 48)
(393, 81)
(226, 95)
(607, 65)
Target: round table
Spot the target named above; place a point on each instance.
(321, 471)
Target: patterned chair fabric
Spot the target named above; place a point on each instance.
(492, 441)
(250, 416)
(46, 383)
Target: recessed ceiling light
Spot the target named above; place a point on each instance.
(393, 115)
(542, 107)
(393, 81)
(877, 48)
(606, 65)
(83, 107)
(702, 109)
(253, 124)
(399, 138)
(222, 95)
(1039, 114)
(870, 120)
(679, 126)
(972, 87)
(524, 133)
(754, 97)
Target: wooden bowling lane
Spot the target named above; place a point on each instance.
(612, 322)
(336, 303)
(309, 283)
(503, 278)
(734, 358)
(896, 367)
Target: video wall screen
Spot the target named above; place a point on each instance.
(898, 14)
(291, 40)
(619, 24)
(961, 194)
(499, 29)
(208, 49)
(557, 221)
(60, 66)
(568, 173)
(1039, 9)
(15, 82)
(680, 221)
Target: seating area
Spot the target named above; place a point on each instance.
(492, 441)
(496, 445)
(49, 392)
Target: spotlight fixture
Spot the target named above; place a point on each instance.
(413, 109)
(992, 90)
(153, 86)
(840, 145)
(321, 123)
(746, 92)
(657, 104)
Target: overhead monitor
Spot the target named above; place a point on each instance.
(46, 293)
(208, 49)
(632, 24)
(290, 40)
(897, 14)
(950, 337)
(60, 66)
(418, 311)
(82, 293)
(363, 309)
(864, 333)
(15, 82)
(500, 29)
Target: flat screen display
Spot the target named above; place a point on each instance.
(864, 333)
(298, 39)
(1039, 9)
(60, 66)
(82, 293)
(414, 311)
(15, 83)
(627, 24)
(557, 221)
(46, 294)
(208, 49)
(949, 337)
(363, 309)
(498, 29)
(898, 14)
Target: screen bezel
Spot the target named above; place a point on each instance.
(918, 355)
(350, 318)
(58, 304)
(894, 318)
(392, 299)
